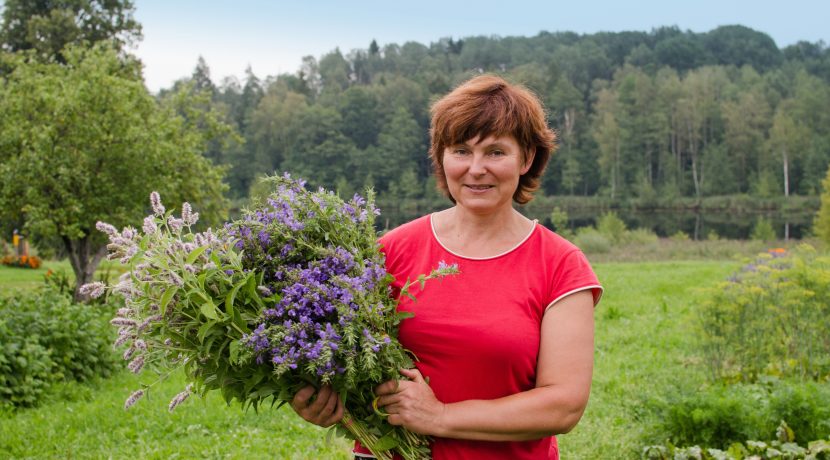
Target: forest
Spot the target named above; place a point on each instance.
(649, 116)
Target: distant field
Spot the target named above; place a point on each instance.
(26, 278)
(643, 345)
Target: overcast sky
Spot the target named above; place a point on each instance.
(273, 36)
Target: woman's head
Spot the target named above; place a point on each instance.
(488, 105)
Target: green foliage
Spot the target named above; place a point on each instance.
(680, 236)
(612, 227)
(84, 142)
(559, 221)
(641, 236)
(782, 447)
(46, 338)
(763, 231)
(591, 241)
(821, 225)
(770, 318)
(724, 414)
(47, 27)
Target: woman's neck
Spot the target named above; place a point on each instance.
(475, 235)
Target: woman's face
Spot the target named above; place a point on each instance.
(483, 174)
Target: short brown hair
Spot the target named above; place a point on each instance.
(488, 105)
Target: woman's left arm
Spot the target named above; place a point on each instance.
(554, 406)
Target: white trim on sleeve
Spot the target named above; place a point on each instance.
(593, 286)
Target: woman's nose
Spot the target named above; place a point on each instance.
(478, 166)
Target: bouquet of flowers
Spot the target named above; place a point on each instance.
(292, 294)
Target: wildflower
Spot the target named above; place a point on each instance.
(155, 200)
(118, 321)
(179, 398)
(136, 364)
(133, 398)
(128, 353)
(147, 322)
(93, 290)
(188, 216)
(150, 226)
(175, 224)
(122, 339)
(140, 344)
(106, 228)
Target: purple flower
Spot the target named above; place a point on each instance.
(93, 290)
(106, 228)
(155, 201)
(188, 216)
(133, 398)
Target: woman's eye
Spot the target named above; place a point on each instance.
(460, 151)
(497, 153)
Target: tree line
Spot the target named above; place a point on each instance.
(651, 116)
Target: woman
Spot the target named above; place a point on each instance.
(506, 346)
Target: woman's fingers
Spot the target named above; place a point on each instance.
(413, 374)
(302, 398)
(325, 409)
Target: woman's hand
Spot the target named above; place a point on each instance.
(411, 403)
(324, 411)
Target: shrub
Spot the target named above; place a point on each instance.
(641, 236)
(770, 318)
(44, 338)
(680, 236)
(591, 241)
(559, 221)
(612, 227)
(821, 224)
(763, 231)
(724, 414)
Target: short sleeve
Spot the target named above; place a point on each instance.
(574, 274)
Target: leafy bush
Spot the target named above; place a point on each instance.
(45, 338)
(771, 318)
(559, 221)
(680, 236)
(763, 230)
(591, 241)
(612, 227)
(641, 236)
(724, 414)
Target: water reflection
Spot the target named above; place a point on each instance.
(698, 225)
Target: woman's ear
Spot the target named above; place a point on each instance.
(531, 154)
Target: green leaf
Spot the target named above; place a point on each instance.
(166, 297)
(209, 310)
(203, 330)
(232, 296)
(385, 443)
(234, 351)
(195, 254)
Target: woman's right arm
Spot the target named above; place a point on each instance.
(325, 410)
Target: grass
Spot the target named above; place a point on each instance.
(14, 278)
(90, 422)
(644, 346)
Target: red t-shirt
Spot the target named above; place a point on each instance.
(477, 334)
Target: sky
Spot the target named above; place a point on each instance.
(272, 36)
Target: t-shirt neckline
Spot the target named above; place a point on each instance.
(517, 246)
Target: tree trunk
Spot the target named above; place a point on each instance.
(84, 260)
(786, 172)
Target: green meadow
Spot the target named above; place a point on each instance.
(644, 345)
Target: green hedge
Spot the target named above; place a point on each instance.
(46, 338)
